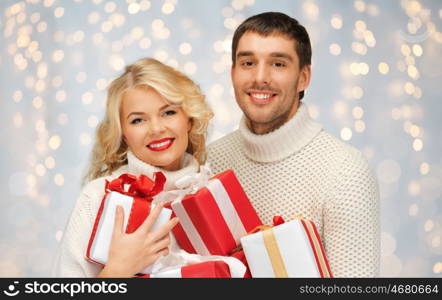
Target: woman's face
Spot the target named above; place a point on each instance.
(155, 130)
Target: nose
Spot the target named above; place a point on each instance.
(263, 76)
(156, 127)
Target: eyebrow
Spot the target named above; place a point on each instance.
(273, 54)
(161, 108)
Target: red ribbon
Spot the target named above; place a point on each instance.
(141, 187)
(142, 190)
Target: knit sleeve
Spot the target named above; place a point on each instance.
(351, 220)
(70, 258)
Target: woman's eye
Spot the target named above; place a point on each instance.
(136, 121)
(170, 112)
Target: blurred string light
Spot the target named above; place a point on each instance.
(39, 54)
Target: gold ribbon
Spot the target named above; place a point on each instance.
(274, 254)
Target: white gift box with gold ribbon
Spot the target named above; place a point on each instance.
(291, 249)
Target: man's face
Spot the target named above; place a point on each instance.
(267, 80)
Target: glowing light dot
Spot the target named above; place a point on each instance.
(383, 68)
(110, 7)
(413, 210)
(50, 162)
(412, 72)
(85, 139)
(346, 134)
(336, 22)
(185, 48)
(409, 88)
(168, 8)
(58, 235)
(93, 17)
(359, 126)
(17, 96)
(57, 81)
(357, 92)
(60, 96)
(58, 55)
(360, 25)
(190, 67)
(87, 98)
(438, 266)
(424, 168)
(418, 145)
(59, 12)
(414, 188)
(145, 43)
(54, 142)
(92, 121)
(117, 62)
(405, 49)
(133, 8)
(18, 120)
(157, 25)
(358, 112)
(145, 5)
(101, 84)
(417, 50)
(161, 55)
(40, 170)
(31, 180)
(359, 5)
(37, 102)
(335, 49)
(414, 131)
(429, 225)
(59, 179)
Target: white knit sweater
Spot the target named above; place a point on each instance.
(301, 169)
(70, 258)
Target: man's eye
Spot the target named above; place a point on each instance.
(170, 112)
(279, 64)
(247, 63)
(136, 121)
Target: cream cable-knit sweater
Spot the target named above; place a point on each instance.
(70, 257)
(299, 169)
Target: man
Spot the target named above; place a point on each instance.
(287, 164)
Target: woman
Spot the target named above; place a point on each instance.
(156, 120)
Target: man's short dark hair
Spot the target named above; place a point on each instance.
(277, 23)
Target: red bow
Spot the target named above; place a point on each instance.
(142, 190)
(141, 187)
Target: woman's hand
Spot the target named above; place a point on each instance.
(131, 253)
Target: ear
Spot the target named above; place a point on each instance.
(189, 124)
(304, 78)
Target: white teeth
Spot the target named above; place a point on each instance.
(261, 96)
(159, 144)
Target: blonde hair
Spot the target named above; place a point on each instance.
(109, 151)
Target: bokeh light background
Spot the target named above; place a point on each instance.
(377, 74)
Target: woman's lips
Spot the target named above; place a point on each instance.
(161, 145)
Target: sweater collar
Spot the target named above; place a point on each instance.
(188, 165)
(282, 142)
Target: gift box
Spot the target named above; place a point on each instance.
(291, 249)
(239, 254)
(209, 269)
(135, 196)
(215, 217)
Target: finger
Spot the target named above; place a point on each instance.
(164, 229)
(160, 245)
(119, 220)
(152, 217)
